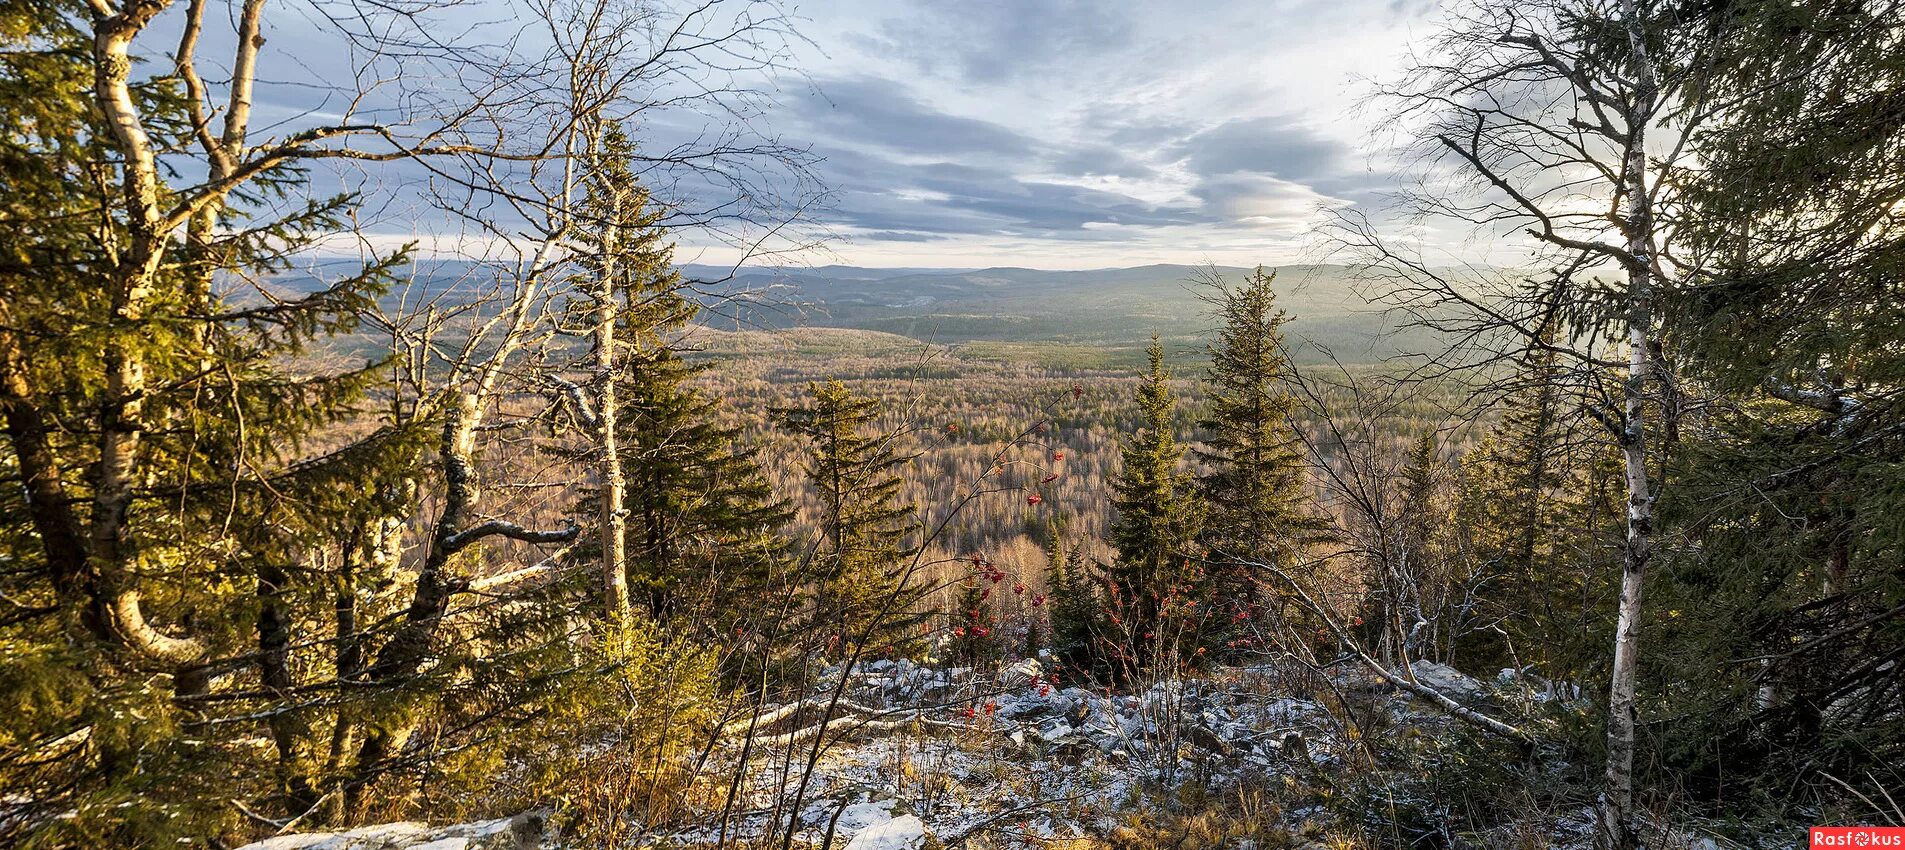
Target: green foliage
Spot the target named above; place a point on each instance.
(974, 625)
(1074, 606)
(1786, 594)
(1253, 486)
(697, 503)
(1539, 510)
(866, 587)
(1158, 518)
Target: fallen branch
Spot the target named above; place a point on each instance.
(1408, 683)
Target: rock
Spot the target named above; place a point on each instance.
(906, 832)
(383, 836)
(1022, 673)
(860, 816)
(522, 832)
(1055, 728)
(1446, 679)
(1203, 738)
(1293, 746)
(1020, 707)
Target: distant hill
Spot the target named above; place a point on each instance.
(1025, 312)
(1101, 317)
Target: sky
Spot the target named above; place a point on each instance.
(1058, 134)
(1080, 134)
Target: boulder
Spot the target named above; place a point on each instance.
(860, 816)
(1021, 673)
(522, 832)
(906, 832)
(1448, 680)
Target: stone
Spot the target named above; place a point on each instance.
(906, 832)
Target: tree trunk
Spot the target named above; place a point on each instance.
(274, 672)
(614, 515)
(1616, 813)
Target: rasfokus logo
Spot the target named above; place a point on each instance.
(1858, 836)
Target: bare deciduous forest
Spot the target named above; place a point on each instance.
(391, 468)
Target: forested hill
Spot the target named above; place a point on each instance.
(1098, 317)
(1040, 314)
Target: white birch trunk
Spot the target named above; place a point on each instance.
(1616, 813)
(614, 518)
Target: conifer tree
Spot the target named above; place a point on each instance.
(1072, 603)
(1157, 521)
(677, 493)
(1418, 574)
(160, 414)
(974, 626)
(1531, 509)
(1253, 486)
(863, 583)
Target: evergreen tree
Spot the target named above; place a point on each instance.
(1415, 587)
(865, 586)
(1072, 603)
(1791, 491)
(974, 638)
(1534, 506)
(1157, 521)
(162, 425)
(694, 503)
(1253, 488)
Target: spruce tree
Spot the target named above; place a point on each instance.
(974, 638)
(1157, 521)
(700, 521)
(170, 429)
(864, 586)
(1072, 602)
(1253, 486)
(1532, 513)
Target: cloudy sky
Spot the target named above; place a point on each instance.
(1076, 134)
(1044, 133)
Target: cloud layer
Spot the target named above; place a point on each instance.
(1089, 133)
(1055, 133)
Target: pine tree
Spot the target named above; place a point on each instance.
(1254, 484)
(865, 586)
(1156, 524)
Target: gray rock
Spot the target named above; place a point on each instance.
(521, 832)
(1446, 679)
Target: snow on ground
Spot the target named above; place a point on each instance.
(916, 757)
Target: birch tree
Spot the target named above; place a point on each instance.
(1556, 126)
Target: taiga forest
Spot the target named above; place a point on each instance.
(1043, 425)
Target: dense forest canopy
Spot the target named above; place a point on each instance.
(1601, 547)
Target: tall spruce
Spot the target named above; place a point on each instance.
(682, 502)
(1793, 490)
(866, 590)
(1253, 486)
(1157, 522)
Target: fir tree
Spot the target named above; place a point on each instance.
(1254, 484)
(1157, 521)
(693, 502)
(864, 584)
